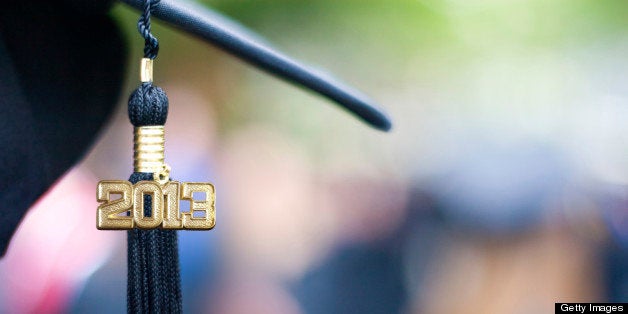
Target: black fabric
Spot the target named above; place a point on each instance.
(154, 281)
(235, 39)
(148, 105)
(61, 70)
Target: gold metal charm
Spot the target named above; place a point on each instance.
(127, 211)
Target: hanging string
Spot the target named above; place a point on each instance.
(154, 284)
(151, 44)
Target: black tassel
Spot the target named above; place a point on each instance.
(153, 275)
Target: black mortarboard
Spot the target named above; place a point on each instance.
(55, 98)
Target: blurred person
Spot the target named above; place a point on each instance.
(478, 232)
(48, 263)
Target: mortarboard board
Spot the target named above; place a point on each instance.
(55, 98)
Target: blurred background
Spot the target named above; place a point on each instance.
(500, 189)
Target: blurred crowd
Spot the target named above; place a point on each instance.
(502, 187)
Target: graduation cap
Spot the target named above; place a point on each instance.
(61, 69)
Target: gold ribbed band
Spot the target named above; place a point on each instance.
(148, 146)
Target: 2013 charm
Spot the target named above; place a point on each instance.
(128, 211)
